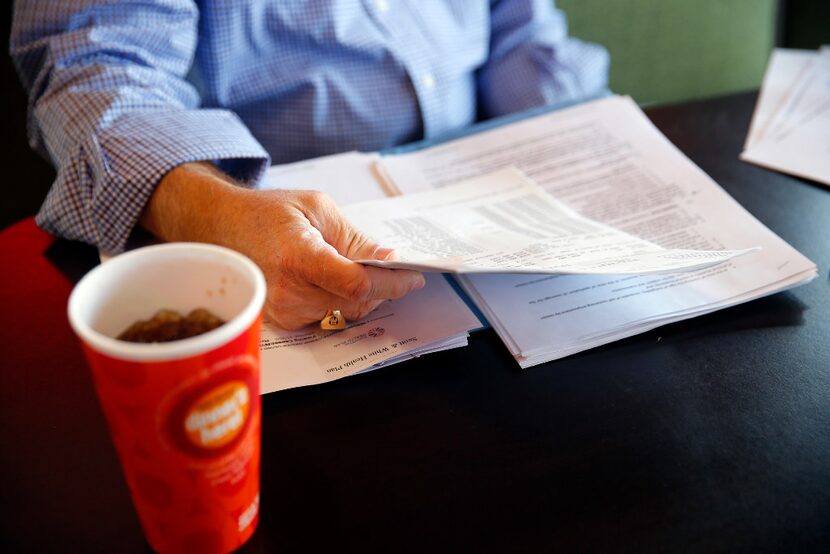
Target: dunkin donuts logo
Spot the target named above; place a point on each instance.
(218, 416)
(210, 418)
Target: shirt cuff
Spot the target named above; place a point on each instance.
(127, 160)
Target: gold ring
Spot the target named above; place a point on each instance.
(333, 320)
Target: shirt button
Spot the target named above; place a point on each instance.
(382, 6)
(428, 81)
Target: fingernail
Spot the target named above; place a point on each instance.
(420, 282)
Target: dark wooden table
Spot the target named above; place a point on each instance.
(707, 435)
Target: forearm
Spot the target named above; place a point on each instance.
(193, 202)
(114, 126)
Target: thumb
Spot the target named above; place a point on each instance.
(358, 246)
(336, 230)
(386, 254)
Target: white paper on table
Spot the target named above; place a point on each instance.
(606, 161)
(453, 342)
(429, 319)
(503, 222)
(348, 177)
(785, 68)
(804, 153)
(798, 140)
(807, 96)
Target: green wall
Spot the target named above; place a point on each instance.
(673, 50)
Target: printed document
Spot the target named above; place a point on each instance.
(503, 222)
(348, 177)
(786, 66)
(790, 131)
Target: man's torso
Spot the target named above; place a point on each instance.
(312, 78)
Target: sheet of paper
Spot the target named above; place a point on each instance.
(805, 153)
(458, 341)
(798, 139)
(785, 67)
(348, 177)
(606, 161)
(502, 222)
(426, 320)
(806, 97)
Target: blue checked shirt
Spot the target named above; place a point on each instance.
(122, 92)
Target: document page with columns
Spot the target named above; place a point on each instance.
(503, 222)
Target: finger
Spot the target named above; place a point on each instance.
(294, 307)
(355, 245)
(353, 312)
(302, 315)
(323, 213)
(323, 266)
(357, 283)
(386, 254)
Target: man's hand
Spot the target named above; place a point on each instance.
(300, 239)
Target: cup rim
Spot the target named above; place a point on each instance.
(174, 350)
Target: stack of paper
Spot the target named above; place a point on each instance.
(428, 320)
(790, 129)
(620, 201)
(606, 161)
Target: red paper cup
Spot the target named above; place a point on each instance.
(184, 415)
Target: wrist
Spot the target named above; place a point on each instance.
(193, 202)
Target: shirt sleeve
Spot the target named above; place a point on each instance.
(533, 61)
(109, 105)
